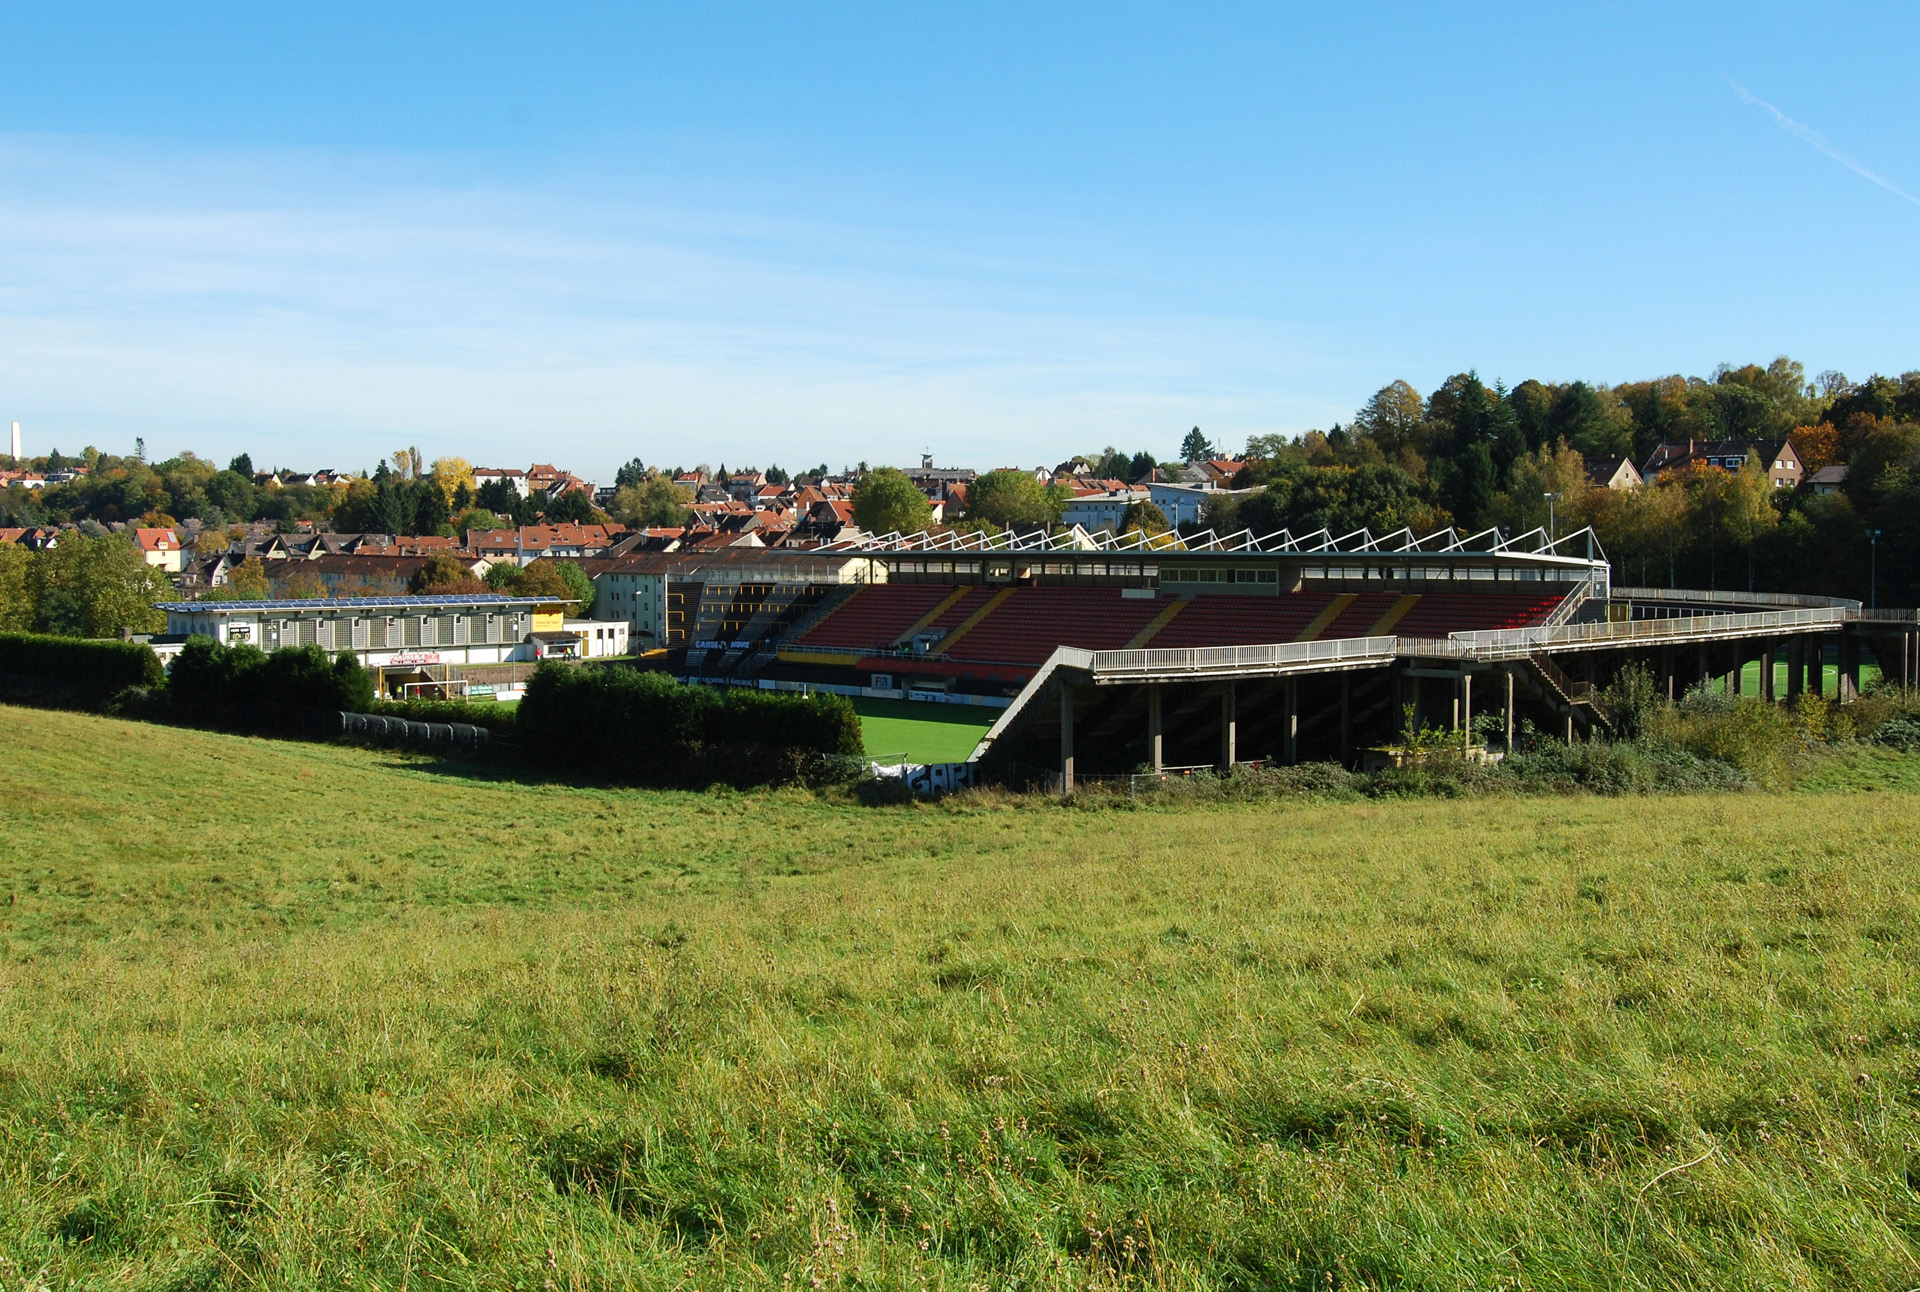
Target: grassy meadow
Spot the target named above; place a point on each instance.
(284, 1015)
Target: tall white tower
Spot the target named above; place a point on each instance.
(16, 441)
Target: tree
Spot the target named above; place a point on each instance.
(560, 580)
(1141, 467)
(501, 575)
(432, 509)
(1013, 498)
(574, 507)
(1143, 518)
(497, 495)
(654, 501)
(1590, 423)
(246, 581)
(1195, 447)
(1391, 418)
(476, 518)
(887, 502)
(94, 587)
(19, 605)
(305, 586)
(444, 573)
(632, 473)
(452, 475)
(242, 465)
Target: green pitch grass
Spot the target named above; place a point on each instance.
(279, 1015)
(925, 733)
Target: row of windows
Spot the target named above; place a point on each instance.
(1239, 574)
(384, 633)
(1454, 573)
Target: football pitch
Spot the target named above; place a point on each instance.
(922, 732)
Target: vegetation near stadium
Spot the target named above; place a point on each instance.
(335, 1018)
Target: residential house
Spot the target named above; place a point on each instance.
(160, 548)
(1614, 471)
(1778, 458)
(1829, 479)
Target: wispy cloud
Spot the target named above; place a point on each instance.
(1805, 132)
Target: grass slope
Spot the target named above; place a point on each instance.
(925, 732)
(296, 1016)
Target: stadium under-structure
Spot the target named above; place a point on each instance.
(1116, 655)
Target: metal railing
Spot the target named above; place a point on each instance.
(1510, 643)
(1697, 596)
(1213, 659)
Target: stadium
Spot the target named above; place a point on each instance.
(1107, 655)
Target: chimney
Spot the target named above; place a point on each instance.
(16, 441)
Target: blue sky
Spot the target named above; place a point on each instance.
(756, 233)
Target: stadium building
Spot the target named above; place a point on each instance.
(1108, 655)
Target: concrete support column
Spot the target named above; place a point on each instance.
(1346, 716)
(1509, 708)
(1847, 687)
(1229, 728)
(1796, 668)
(1293, 721)
(1766, 670)
(1066, 740)
(1155, 742)
(1466, 703)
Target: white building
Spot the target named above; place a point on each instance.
(400, 637)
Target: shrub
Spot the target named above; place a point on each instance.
(1759, 738)
(241, 688)
(104, 666)
(648, 729)
(1899, 733)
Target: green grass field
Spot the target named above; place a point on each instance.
(283, 1015)
(925, 733)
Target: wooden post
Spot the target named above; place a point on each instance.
(1229, 728)
(1066, 740)
(1155, 745)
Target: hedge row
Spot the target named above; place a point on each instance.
(648, 729)
(242, 688)
(106, 666)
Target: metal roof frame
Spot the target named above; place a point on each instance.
(1534, 543)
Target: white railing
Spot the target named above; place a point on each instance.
(1507, 643)
(1213, 659)
(1697, 596)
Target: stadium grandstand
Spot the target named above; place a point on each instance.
(1108, 655)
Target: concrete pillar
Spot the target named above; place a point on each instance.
(1766, 670)
(1796, 669)
(1066, 740)
(1346, 716)
(1466, 704)
(1569, 724)
(1293, 721)
(1155, 742)
(1847, 684)
(1509, 708)
(1229, 728)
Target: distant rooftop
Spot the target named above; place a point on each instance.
(352, 603)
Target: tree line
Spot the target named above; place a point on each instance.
(1478, 456)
